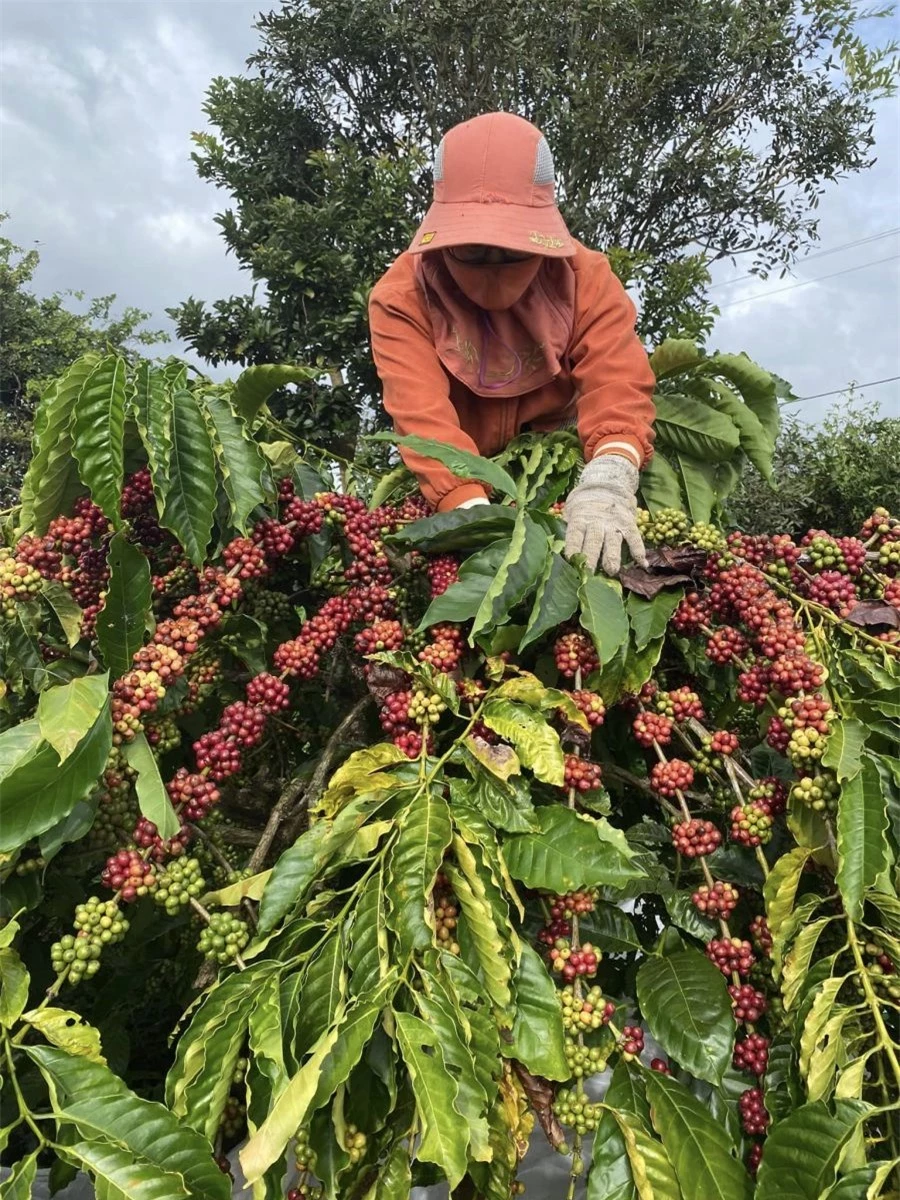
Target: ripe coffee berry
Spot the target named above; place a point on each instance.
(754, 685)
(571, 963)
(573, 904)
(218, 755)
(244, 723)
(146, 835)
(770, 793)
(691, 613)
(591, 705)
(724, 742)
(245, 559)
(631, 1043)
(695, 838)
(751, 824)
(582, 775)
(725, 644)
(442, 653)
(761, 935)
(683, 702)
(795, 672)
(193, 796)
(754, 1117)
(731, 956)
(747, 1003)
(720, 900)
(650, 727)
(752, 1054)
(574, 652)
(667, 778)
(381, 635)
(754, 1158)
(128, 873)
(276, 539)
(834, 591)
(660, 1065)
(442, 570)
(269, 694)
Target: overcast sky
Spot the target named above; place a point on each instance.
(97, 103)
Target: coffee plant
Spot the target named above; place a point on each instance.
(362, 845)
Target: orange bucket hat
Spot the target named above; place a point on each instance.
(494, 186)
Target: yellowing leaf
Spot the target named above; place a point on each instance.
(67, 1030)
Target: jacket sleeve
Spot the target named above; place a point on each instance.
(416, 394)
(612, 375)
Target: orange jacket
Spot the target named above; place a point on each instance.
(607, 384)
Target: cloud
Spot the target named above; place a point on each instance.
(98, 103)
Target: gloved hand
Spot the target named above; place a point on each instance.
(601, 514)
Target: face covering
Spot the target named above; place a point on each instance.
(493, 286)
(501, 329)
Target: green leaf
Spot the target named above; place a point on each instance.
(38, 790)
(94, 1100)
(660, 486)
(255, 385)
(755, 441)
(538, 1037)
(67, 713)
(520, 566)
(683, 913)
(610, 1176)
(394, 1180)
(356, 1028)
(780, 888)
(443, 1134)
(459, 529)
(757, 387)
(861, 837)
(699, 486)
(685, 1002)
(649, 619)
(462, 599)
(490, 944)
(190, 498)
(68, 613)
(153, 799)
(14, 981)
(698, 1146)
(691, 427)
(603, 615)
(462, 463)
(846, 742)
(52, 470)
(368, 954)
(535, 742)
(570, 851)
(506, 803)
(122, 621)
(555, 601)
(674, 356)
(18, 1183)
(99, 431)
(240, 460)
(151, 406)
(415, 860)
(803, 1151)
(120, 1175)
(323, 992)
(609, 928)
(651, 1169)
(67, 1030)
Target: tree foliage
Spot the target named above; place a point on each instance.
(40, 337)
(680, 136)
(358, 839)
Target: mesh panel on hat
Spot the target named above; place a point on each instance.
(439, 163)
(543, 165)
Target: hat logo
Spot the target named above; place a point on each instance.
(545, 240)
(426, 238)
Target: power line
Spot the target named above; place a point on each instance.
(806, 282)
(841, 391)
(875, 237)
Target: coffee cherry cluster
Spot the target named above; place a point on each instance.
(442, 570)
(446, 919)
(425, 708)
(581, 774)
(723, 742)
(194, 796)
(754, 685)
(18, 581)
(128, 874)
(770, 793)
(572, 963)
(591, 705)
(224, 937)
(631, 1042)
(751, 824)
(819, 792)
(747, 1003)
(589, 1012)
(761, 935)
(445, 649)
(726, 644)
(268, 694)
(731, 955)
(573, 1108)
(98, 923)
(245, 559)
(808, 722)
(575, 652)
(720, 900)
(692, 613)
(380, 635)
(584, 1061)
(695, 838)
(754, 1117)
(650, 727)
(573, 904)
(669, 527)
(668, 778)
(751, 1054)
(178, 883)
(146, 835)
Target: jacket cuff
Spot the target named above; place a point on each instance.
(455, 497)
(617, 443)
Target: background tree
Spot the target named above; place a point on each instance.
(39, 337)
(682, 134)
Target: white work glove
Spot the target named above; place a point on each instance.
(471, 503)
(601, 514)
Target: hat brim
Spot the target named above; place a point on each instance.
(520, 227)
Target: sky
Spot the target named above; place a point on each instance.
(98, 100)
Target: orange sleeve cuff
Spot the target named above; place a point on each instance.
(456, 496)
(627, 447)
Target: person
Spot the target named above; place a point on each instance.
(496, 320)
